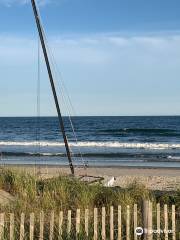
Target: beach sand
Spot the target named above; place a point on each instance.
(163, 179)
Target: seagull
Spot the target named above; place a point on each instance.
(110, 183)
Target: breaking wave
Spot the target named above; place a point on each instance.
(109, 144)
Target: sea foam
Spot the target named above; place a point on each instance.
(109, 144)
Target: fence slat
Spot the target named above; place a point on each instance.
(166, 221)
(119, 222)
(87, 222)
(51, 233)
(173, 222)
(78, 221)
(41, 227)
(60, 223)
(103, 231)
(145, 218)
(135, 221)
(31, 227)
(69, 222)
(158, 217)
(11, 234)
(150, 220)
(21, 234)
(128, 223)
(111, 223)
(2, 226)
(95, 223)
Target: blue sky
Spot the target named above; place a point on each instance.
(117, 57)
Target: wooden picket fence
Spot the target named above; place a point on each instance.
(105, 223)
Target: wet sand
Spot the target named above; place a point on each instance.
(164, 179)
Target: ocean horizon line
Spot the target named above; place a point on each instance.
(54, 116)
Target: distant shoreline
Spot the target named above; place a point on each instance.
(92, 116)
(90, 167)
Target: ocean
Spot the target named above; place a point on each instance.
(102, 141)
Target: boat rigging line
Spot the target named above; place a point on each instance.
(65, 98)
(67, 101)
(61, 123)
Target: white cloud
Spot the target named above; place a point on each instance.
(131, 74)
(94, 49)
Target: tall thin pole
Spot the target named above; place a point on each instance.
(61, 123)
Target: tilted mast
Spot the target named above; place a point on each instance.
(61, 123)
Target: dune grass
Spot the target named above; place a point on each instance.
(64, 193)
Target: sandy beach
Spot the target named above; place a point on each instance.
(163, 179)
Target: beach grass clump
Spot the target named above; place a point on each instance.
(62, 193)
(18, 184)
(170, 198)
(136, 193)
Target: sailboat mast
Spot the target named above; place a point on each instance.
(61, 123)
